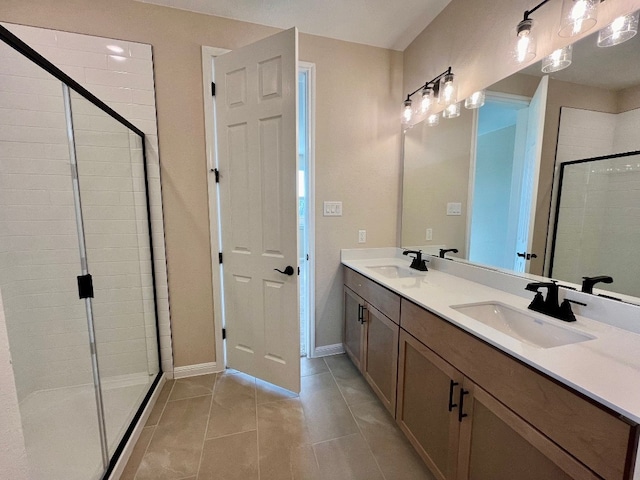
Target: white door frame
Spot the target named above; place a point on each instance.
(310, 68)
(208, 53)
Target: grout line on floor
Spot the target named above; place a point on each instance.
(255, 399)
(206, 430)
(375, 459)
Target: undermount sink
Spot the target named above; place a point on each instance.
(395, 271)
(527, 327)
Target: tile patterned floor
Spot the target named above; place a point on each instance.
(231, 426)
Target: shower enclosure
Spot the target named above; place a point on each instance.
(76, 267)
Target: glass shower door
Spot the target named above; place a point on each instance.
(111, 175)
(39, 263)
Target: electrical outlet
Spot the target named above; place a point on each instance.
(454, 209)
(429, 234)
(362, 236)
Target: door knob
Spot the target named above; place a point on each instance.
(287, 271)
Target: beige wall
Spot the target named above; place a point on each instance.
(357, 145)
(436, 171)
(475, 37)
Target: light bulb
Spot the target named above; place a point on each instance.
(620, 30)
(577, 16)
(558, 60)
(525, 44)
(433, 119)
(452, 111)
(476, 100)
(427, 100)
(407, 112)
(448, 92)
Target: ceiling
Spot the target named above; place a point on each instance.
(381, 23)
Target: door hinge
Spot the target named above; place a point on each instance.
(85, 286)
(224, 333)
(216, 172)
(219, 257)
(213, 89)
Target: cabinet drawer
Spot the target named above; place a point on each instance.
(599, 439)
(384, 300)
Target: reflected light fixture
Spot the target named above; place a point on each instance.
(115, 48)
(577, 16)
(452, 111)
(476, 100)
(558, 60)
(433, 119)
(620, 30)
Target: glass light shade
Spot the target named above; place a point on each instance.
(476, 100)
(448, 91)
(427, 100)
(452, 111)
(620, 30)
(525, 49)
(407, 112)
(578, 16)
(433, 119)
(558, 60)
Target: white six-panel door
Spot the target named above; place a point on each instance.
(256, 128)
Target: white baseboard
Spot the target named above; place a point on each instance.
(194, 370)
(327, 350)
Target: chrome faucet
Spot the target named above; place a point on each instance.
(418, 263)
(550, 305)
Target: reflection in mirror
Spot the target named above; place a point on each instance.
(499, 162)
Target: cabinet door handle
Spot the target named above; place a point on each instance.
(451, 385)
(360, 313)
(461, 415)
(363, 320)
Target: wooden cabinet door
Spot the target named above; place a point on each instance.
(381, 356)
(427, 409)
(496, 444)
(354, 327)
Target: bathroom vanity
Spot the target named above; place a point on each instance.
(529, 398)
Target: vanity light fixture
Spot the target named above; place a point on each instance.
(443, 87)
(525, 48)
(476, 100)
(558, 60)
(407, 111)
(620, 30)
(577, 16)
(452, 111)
(448, 91)
(427, 99)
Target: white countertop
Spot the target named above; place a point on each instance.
(606, 369)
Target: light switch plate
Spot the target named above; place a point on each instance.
(332, 209)
(454, 208)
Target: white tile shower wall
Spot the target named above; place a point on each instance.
(599, 210)
(83, 58)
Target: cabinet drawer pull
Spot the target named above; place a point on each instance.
(461, 415)
(451, 385)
